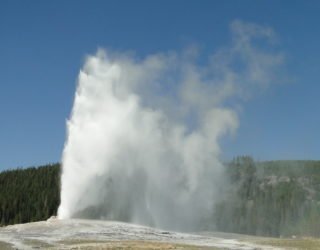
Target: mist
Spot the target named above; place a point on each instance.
(143, 136)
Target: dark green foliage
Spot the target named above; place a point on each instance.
(277, 198)
(30, 194)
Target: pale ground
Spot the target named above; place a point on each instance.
(91, 234)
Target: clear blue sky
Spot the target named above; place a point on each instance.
(43, 45)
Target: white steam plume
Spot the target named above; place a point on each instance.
(143, 135)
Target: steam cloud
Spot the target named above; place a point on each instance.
(143, 137)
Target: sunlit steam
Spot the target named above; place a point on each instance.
(143, 136)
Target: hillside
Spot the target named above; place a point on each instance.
(30, 194)
(275, 198)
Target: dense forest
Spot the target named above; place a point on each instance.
(275, 198)
(30, 194)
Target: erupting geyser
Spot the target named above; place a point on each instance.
(142, 142)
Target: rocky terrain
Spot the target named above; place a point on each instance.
(91, 234)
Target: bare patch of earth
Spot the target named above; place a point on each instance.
(298, 243)
(5, 246)
(134, 245)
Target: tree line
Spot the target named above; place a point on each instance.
(30, 194)
(275, 198)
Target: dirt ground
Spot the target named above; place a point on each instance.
(126, 245)
(5, 246)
